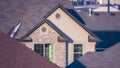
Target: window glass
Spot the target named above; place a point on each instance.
(45, 50)
(77, 51)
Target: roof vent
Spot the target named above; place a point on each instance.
(44, 29)
(57, 15)
(15, 30)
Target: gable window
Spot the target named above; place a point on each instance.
(45, 50)
(77, 51)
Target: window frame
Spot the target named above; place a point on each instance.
(44, 50)
(77, 52)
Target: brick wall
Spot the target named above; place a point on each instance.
(49, 36)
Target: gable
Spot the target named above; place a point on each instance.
(69, 25)
(45, 34)
(48, 30)
(66, 24)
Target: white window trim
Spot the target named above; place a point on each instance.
(44, 49)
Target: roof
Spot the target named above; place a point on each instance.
(109, 38)
(105, 25)
(111, 1)
(66, 38)
(15, 55)
(105, 9)
(28, 12)
(102, 21)
(106, 59)
(76, 64)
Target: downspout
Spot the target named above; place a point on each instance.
(67, 54)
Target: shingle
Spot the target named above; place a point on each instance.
(105, 59)
(105, 25)
(28, 12)
(105, 9)
(109, 38)
(103, 22)
(15, 55)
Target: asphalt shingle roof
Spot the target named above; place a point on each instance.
(15, 55)
(105, 25)
(102, 21)
(109, 58)
(28, 12)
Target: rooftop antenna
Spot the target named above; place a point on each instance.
(15, 29)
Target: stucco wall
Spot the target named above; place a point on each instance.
(50, 36)
(90, 47)
(69, 26)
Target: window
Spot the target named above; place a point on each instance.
(45, 50)
(77, 51)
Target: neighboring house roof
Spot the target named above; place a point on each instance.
(109, 38)
(105, 25)
(111, 1)
(28, 12)
(106, 59)
(105, 9)
(66, 38)
(15, 55)
(76, 64)
(118, 6)
(102, 21)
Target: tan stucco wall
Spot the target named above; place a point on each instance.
(89, 47)
(69, 26)
(50, 36)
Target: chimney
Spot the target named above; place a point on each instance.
(108, 5)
